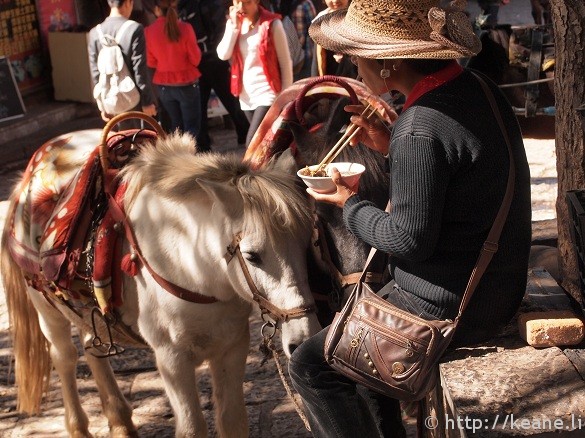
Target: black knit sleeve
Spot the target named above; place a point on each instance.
(420, 176)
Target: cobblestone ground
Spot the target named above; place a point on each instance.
(271, 411)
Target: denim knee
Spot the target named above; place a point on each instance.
(308, 360)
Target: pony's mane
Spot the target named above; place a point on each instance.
(271, 197)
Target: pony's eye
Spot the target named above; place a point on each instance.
(253, 257)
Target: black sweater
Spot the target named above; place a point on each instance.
(449, 167)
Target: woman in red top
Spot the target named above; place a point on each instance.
(172, 50)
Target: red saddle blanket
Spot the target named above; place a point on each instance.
(58, 208)
(58, 182)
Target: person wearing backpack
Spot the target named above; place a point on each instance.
(301, 13)
(295, 48)
(117, 31)
(173, 53)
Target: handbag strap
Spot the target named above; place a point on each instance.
(490, 246)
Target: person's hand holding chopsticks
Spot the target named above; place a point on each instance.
(374, 133)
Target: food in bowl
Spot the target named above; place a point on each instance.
(321, 181)
(307, 171)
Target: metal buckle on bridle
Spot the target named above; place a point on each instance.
(233, 247)
(267, 331)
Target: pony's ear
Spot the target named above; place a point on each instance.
(285, 162)
(299, 132)
(305, 142)
(222, 195)
(338, 117)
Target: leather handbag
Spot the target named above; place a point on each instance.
(390, 350)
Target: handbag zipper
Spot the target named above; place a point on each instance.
(384, 331)
(406, 316)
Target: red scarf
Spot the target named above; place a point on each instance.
(433, 81)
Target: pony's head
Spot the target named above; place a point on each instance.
(189, 210)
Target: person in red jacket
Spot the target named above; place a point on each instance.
(173, 53)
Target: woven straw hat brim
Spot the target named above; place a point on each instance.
(334, 33)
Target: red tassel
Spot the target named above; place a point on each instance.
(129, 264)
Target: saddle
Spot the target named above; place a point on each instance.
(69, 245)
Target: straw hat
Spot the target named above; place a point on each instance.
(398, 29)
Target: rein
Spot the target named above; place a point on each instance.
(340, 280)
(178, 291)
(194, 297)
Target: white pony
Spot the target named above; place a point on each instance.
(211, 226)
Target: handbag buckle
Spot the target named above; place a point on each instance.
(490, 246)
(397, 368)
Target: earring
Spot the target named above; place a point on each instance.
(394, 67)
(384, 73)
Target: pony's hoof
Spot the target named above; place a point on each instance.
(123, 432)
(81, 434)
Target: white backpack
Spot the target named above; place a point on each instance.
(115, 91)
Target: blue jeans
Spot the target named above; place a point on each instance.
(183, 104)
(336, 406)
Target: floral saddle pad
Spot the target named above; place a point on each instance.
(59, 204)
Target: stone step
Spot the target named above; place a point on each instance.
(42, 120)
(505, 388)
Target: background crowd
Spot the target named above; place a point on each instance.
(246, 51)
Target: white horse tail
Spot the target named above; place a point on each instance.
(31, 348)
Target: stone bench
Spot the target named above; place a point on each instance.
(506, 388)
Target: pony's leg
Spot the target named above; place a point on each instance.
(227, 373)
(64, 355)
(178, 374)
(114, 405)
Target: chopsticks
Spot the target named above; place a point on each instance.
(345, 139)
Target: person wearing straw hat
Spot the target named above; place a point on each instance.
(449, 168)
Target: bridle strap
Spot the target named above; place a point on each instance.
(194, 297)
(341, 280)
(265, 305)
(176, 290)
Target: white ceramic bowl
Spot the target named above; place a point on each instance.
(351, 173)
